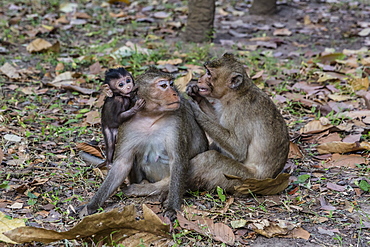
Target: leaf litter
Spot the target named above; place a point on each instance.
(322, 95)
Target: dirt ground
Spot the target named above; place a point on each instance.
(329, 205)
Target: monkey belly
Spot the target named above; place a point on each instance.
(154, 163)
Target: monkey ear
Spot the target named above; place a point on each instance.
(107, 90)
(236, 80)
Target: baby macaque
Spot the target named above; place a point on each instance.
(119, 106)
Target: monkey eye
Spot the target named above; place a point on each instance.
(128, 80)
(163, 85)
(171, 83)
(121, 84)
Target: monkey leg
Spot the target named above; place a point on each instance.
(110, 135)
(148, 189)
(207, 171)
(116, 175)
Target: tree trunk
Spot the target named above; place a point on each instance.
(199, 27)
(263, 7)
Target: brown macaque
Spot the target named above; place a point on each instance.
(250, 137)
(156, 144)
(119, 106)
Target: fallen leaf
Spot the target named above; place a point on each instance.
(115, 226)
(181, 82)
(294, 151)
(63, 79)
(10, 71)
(352, 138)
(1, 155)
(314, 127)
(364, 32)
(91, 149)
(268, 186)
(78, 89)
(68, 7)
(341, 147)
(95, 68)
(325, 205)
(41, 45)
(93, 117)
(7, 224)
(327, 232)
(345, 160)
(238, 223)
(335, 187)
(171, 61)
(161, 15)
(12, 138)
(217, 231)
(337, 97)
(359, 83)
(282, 32)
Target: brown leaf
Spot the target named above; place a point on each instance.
(10, 71)
(282, 32)
(352, 138)
(269, 228)
(171, 61)
(93, 117)
(314, 127)
(93, 150)
(182, 81)
(325, 205)
(95, 68)
(359, 83)
(332, 137)
(345, 160)
(342, 147)
(78, 89)
(268, 186)
(299, 233)
(217, 231)
(7, 224)
(1, 155)
(117, 1)
(41, 45)
(294, 151)
(335, 187)
(113, 226)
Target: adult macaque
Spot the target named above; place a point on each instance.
(156, 144)
(250, 136)
(118, 107)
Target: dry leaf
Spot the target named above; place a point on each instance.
(314, 127)
(62, 79)
(182, 81)
(39, 45)
(1, 155)
(7, 224)
(93, 150)
(10, 71)
(359, 83)
(280, 228)
(337, 97)
(108, 227)
(268, 186)
(341, 147)
(345, 160)
(294, 151)
(282, 32)
(117, 1)
(171, 61)
(217, 231)
(93, 117)
(78, 89)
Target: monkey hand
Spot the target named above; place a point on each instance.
(193, 91)
(139, 104)
(84, 210)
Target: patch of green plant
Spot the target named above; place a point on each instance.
(220, 193)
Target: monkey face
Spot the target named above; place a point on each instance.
(205, 86)
(162, 95)
(123, 85)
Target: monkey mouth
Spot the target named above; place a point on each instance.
(174, 103)
(203, 90)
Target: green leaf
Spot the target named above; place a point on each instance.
(364, 185)
(303, 178)
(220, 193)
